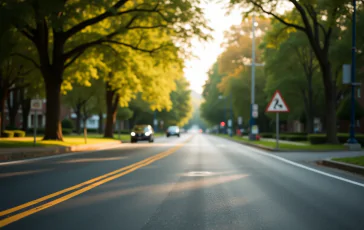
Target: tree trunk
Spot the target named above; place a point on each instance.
(306, 103)
(25, 112)
(101, 122)
(13, 108)
(112, 100)
(310, 113)
(78, 119)
(25, 108)
(3, 96)
(330, 101)
(53, 129)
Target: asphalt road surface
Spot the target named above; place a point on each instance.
(193, 182)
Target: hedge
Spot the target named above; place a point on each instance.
(296, 134)
(316, 139)
(39, 131)
(266, 135)
(66, 131)
(19, 133)
(92, 130)
(7, 134)
(283, 135)
(123, 131)
(291, 137)
(67, 124)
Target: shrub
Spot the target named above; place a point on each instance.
(19, 133)
(7, 134)
(296, 138)
(66, 131)
(11, 128)
(67, 124)
(91, 130)
(123, 131)
(316, 139)
(296, 134)
(266, 135)
(291, 137)
(39, 131)
(342, 137)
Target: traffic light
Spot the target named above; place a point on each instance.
(222, 124)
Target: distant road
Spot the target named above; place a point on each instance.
(193, 182)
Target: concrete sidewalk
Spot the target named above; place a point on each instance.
(283, 141)
(10, 154)
(280, 141)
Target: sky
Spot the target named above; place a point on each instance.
(207, 52)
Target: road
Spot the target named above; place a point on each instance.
(193, 182)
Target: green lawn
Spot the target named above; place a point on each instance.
(352, 160)
(69, 140)
(286, 146)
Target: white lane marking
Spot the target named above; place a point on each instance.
(304, 167)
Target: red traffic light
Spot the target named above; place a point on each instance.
(222, 124)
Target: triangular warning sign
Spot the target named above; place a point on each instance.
(277, 104)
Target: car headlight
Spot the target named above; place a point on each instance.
(147, 133)
(132, 134)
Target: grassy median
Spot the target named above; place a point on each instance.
(352, 160)
(286, 146)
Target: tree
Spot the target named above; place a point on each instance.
(12, 71)
(344, 110)
(142, 113)
(296, 76)
(235, 62)
(181, 110)
(83, 100)
(317, 20)
(62, 31)
(144, 73)
(213, 109)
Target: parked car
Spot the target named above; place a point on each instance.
(142, 133)
(173, 131)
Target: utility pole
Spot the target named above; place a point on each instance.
(252, 120)
(231, 115)
(352, 139)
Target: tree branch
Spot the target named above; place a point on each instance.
(74, 59)
(311, 11)
(77, 28)
(147, 27)
(296, 26)
(109, 13)
(135, 47)
(83, 47)
(27, 58)
(19, 87)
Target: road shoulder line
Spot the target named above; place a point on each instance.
(300, 165)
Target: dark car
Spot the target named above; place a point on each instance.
(142, 133)
(173, 131)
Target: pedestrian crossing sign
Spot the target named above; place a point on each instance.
(277, 104)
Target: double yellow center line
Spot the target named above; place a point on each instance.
(78, 189)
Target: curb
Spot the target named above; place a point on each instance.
(49, 151)
(343, 166)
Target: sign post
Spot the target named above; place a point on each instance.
(277, 105)
(36, 105)
(277, 130)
